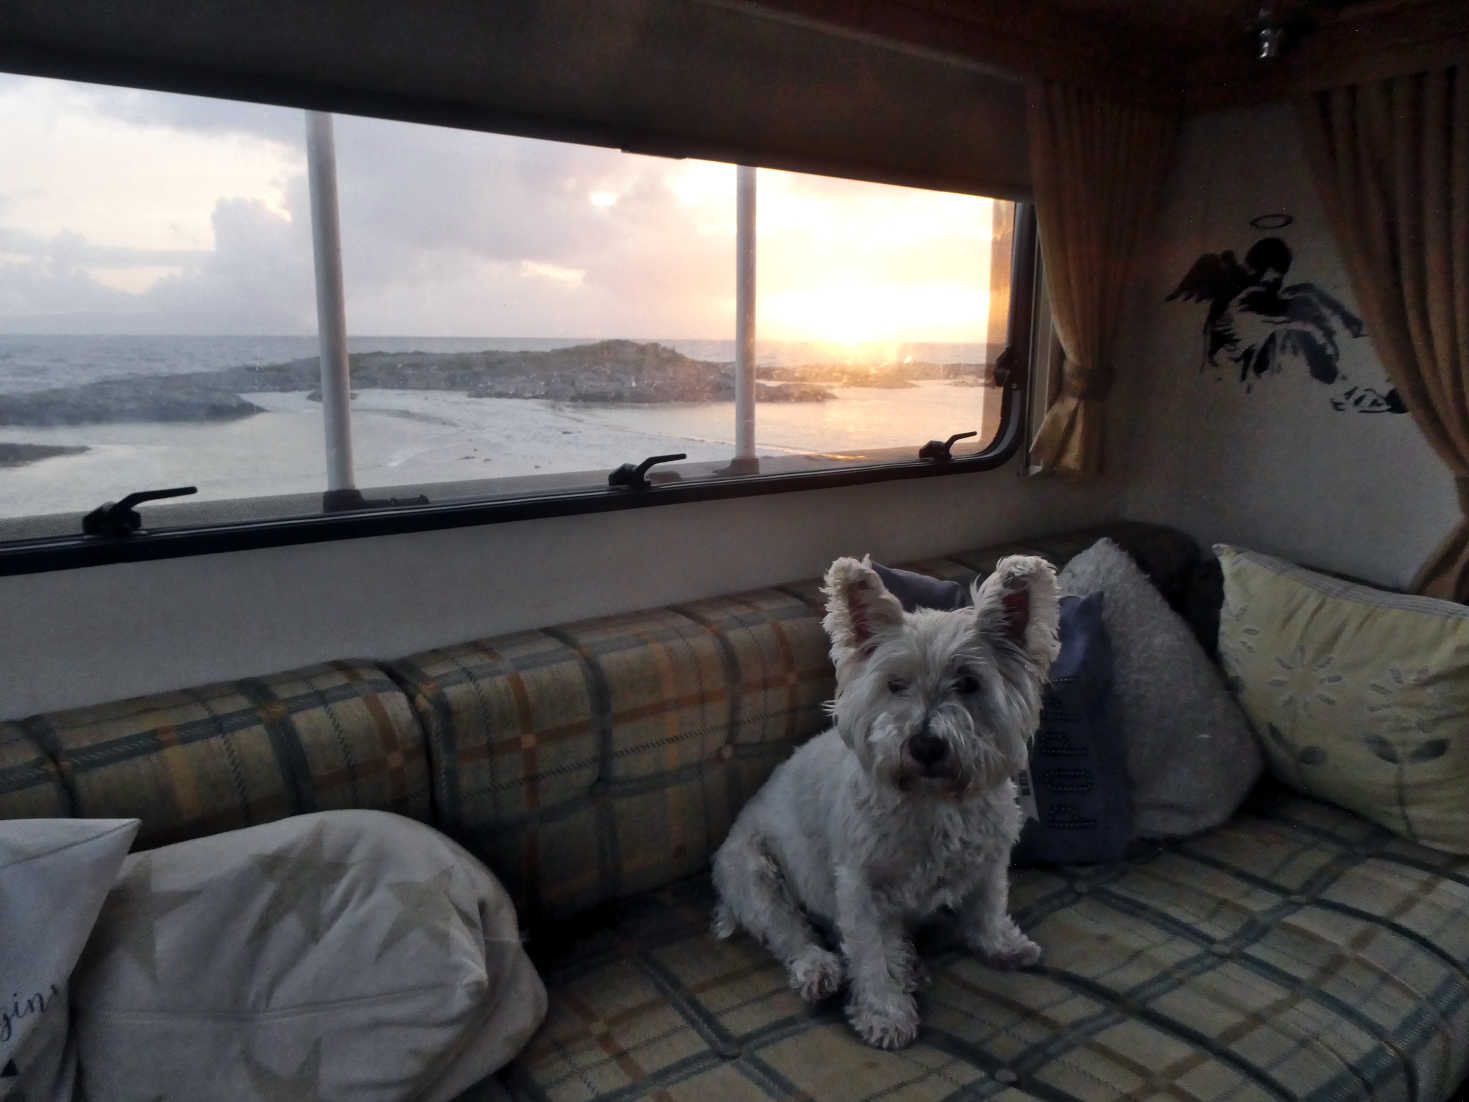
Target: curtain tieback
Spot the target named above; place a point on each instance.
(1090, 384)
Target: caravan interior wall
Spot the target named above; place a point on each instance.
(1299, 448)
(103, 633)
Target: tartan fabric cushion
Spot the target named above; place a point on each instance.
(336, 735)
(30, 784)
(601, 758)
(1297, 952)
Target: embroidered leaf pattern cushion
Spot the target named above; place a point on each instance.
(1359, 696)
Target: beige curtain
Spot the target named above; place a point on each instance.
(1391, 161)
(1097, 168)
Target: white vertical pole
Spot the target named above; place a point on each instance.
(744, 458)
(331, 314)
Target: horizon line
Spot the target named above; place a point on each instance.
(482, 337)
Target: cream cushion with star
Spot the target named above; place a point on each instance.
(1359, 696)
(344, 954)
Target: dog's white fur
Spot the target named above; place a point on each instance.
(907, 804)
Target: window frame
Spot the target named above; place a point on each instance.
(53, 553)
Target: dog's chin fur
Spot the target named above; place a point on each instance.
(906, 806)
(914, 784)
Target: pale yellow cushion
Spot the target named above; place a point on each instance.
(1359, 696)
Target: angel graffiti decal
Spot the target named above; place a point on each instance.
(1265, 327)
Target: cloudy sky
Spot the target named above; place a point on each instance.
(129, 211)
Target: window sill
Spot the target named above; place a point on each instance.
(225, 526)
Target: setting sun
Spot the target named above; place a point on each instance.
(875, 313)
(869, 265)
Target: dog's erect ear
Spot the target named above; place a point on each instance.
(859, 608)
(1020, 602)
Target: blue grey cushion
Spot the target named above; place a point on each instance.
(1078, 770)
(1078, 763)
(916, 590)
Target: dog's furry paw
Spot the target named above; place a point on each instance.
(1023, 954)
(724, 925)
(815, 974)
(1009, 949)
(891, 1022)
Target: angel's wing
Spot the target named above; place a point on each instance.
(1214, 278)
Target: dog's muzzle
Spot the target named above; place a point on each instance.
(931, 759)
(928, 751)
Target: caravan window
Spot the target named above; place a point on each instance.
(523, 316)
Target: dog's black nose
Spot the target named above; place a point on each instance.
(927, 750)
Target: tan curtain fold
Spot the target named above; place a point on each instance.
(1097, 168)
(1391, 162)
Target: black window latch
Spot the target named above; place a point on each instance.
(636, 478)
(938, 450)
(119, 518)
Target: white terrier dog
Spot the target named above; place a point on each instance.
(906, 805)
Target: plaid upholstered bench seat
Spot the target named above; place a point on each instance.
(593, 760)
(1299, 952)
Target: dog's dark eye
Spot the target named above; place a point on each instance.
(897, 686)
(967, 683)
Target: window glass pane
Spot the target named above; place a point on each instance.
(522, 315)
(153, 249)
(890, 302)
(576, 303)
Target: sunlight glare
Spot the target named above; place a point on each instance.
(874, 313)
(703, 184)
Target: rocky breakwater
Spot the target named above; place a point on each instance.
(604, 371)
(625, 371)
(131, 398)
(611, 371)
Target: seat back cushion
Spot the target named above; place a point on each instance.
(30, 783)
(609, 756)
(198, 761)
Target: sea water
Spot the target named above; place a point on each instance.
(403, 437)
